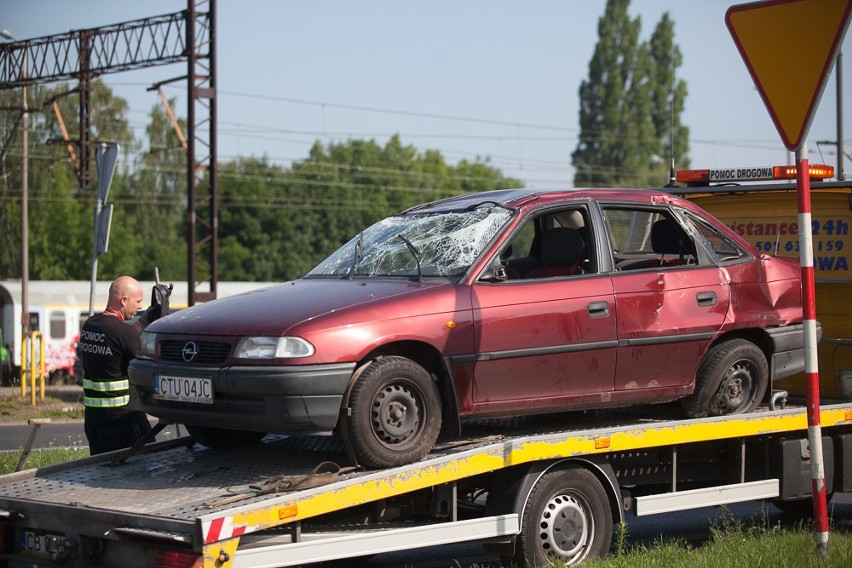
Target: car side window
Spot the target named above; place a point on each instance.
(725, 249)
(643, 238)
(555, 244)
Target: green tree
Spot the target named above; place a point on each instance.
(255, 223)
(61, 213)
(274, 223)
(668, 94)
(277, 224)
(150, 206)
(628, 104)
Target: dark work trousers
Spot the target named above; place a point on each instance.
(106, 435)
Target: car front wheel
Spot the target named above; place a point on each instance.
(395, 413)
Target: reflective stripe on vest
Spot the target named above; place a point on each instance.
(115, 393)
(112, 402)
(106, 386)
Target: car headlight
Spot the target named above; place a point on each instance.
(273, 348)
(148, 344)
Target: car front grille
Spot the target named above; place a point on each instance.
(206, 352)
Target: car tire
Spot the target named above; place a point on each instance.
(567, 518)
(732, 379)
(395, 413)
(222, 437)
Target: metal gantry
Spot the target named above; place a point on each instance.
(84, 55)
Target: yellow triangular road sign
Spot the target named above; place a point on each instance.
(789, 47)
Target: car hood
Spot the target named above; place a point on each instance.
(275, 309)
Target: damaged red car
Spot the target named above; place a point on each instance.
(494, 304)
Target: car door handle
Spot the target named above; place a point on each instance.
(598, 309)
(706, 298)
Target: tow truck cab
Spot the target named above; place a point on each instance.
(759, 204)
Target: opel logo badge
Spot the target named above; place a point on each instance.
(189, 351)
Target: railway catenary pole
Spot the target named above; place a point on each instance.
(84, 55)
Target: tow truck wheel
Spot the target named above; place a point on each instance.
(395, 413)
(567, 518)
(222, 437)
(732, 379)
(803, 508)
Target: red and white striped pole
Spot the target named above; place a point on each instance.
(806, 260)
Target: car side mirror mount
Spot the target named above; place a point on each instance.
(495, 272)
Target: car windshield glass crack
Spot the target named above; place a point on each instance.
(447, 244)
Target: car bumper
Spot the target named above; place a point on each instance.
(788, 350)
(274, 399)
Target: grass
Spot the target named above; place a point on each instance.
(735, 544)
(43, 457)
(14, 408)
(17, 409)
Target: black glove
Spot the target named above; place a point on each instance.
(160, 298)
(159, 304)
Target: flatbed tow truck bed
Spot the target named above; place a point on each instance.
(179, 504)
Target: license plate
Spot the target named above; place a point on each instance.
(36, 543)
(184, 389)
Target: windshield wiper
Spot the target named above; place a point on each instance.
(415, 254)
(359, 254)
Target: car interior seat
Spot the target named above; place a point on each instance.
(561, 253)
(668, 238)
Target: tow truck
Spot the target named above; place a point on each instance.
(526, 488)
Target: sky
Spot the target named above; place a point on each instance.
(495, 79)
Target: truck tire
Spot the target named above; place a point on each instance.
(732, 379)
(567, 518)
(222, 437)
(802, 508)
(395, 414)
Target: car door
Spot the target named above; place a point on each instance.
(670, 299)
(543, 338)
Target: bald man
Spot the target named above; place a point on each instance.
(107, 344)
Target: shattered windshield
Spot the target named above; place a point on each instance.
(416, 245)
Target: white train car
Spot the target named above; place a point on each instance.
(58, 309)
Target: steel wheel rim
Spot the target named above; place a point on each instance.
(395, 414)
(565, 528)
(736, 390)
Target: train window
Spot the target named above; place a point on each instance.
(57, 325)
(35, 322)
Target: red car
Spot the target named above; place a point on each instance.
(494, 304)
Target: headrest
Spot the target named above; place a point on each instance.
(561, 245)
(667, 238)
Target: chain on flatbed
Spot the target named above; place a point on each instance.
(174, 483)
(179, 483)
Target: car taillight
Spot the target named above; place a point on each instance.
(164, 558)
